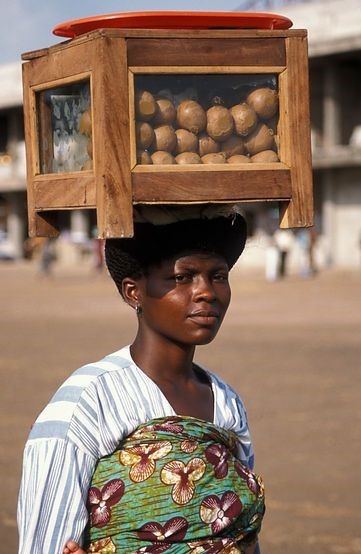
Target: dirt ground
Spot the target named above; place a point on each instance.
(291, 348)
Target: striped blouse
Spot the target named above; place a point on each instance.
(95, 408)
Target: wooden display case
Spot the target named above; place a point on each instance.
(80, 123)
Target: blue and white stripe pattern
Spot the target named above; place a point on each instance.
(89, 415)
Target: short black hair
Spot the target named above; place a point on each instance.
(151, 244)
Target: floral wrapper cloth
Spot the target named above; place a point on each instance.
(174, 485)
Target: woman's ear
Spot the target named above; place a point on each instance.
(131, 292)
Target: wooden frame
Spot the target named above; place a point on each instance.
(110, 59)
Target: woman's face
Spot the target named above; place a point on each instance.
(185, 298)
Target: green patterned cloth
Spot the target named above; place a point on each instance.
(176, 485)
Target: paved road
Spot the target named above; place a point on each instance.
(292, 349)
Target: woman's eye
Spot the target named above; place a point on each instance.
(181, 277)
(220, 277)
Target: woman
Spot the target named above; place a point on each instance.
(161, 444)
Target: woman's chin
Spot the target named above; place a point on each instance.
(205, 337)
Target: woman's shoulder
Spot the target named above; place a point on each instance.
(76, 396)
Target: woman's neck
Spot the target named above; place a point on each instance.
(162, 359)
(170, 366)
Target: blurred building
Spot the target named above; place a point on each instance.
(12, 163)
(334, 28)
(77, 225)
(334, 36)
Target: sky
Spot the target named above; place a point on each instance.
(27, 24)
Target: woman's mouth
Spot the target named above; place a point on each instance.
(204, 317)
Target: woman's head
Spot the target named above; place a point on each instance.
(153, 243)
(183, 299)
(176, 275)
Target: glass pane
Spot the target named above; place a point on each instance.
(65, 128)
(206, 119)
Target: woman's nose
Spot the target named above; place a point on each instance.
(203, 289)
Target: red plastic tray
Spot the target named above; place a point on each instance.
(173, 20)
